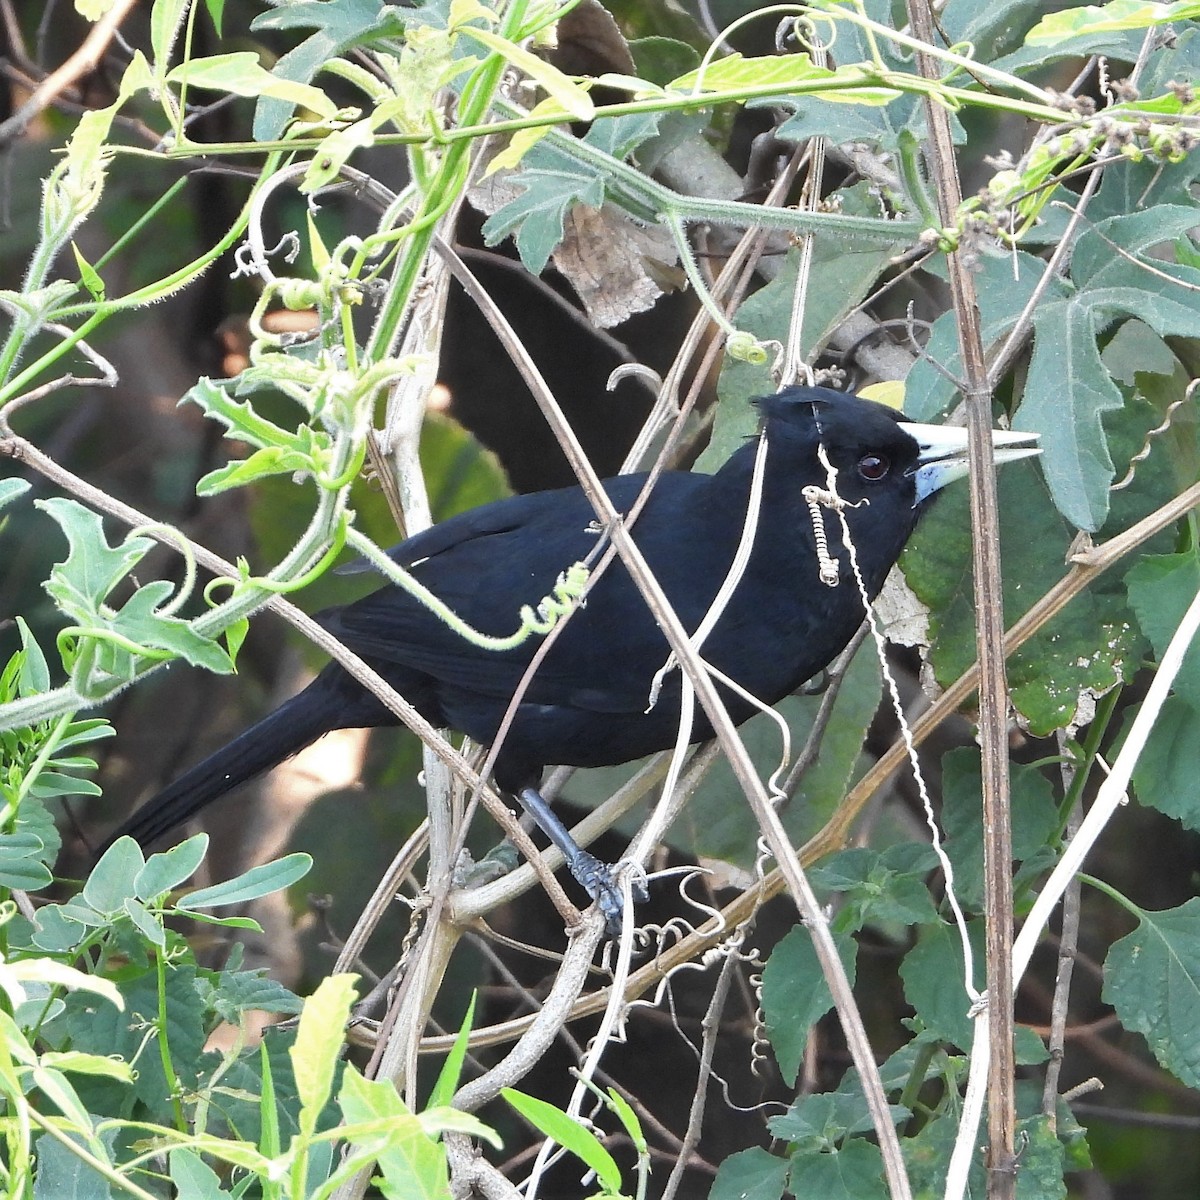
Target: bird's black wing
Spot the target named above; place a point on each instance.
(485, 564)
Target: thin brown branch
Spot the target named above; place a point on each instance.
(85, 59)
(989, 638)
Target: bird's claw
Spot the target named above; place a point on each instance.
(600, 882)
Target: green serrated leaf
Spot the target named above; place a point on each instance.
(166, 20)
(796, 996)
(92, 568)
(750, 1175)
(539, 214)
(1152, 979)
(850, 1172)
(1169, 765)
(1093, 644)
(339, 25)
(274, 460)
(239, 991)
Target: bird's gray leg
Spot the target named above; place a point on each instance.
(596, 878)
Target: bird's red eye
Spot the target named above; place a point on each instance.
(873, 467)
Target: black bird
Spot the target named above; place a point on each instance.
(589, 703)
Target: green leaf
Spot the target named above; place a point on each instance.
(787, 73)
(166, 19)
(148, 923)
(827, 1117)
(1152, 979)
(1161, 588)
(1103, 18)
(34, 677)
(216, 11)
(1034, 818)
(1169, 765)
(12, 489)
(274, 460)
(169, 869)
(538, 214)
(20, 862)
(88, 275)
(1006, 283)
(932, 972)
(553, 181)
(92, 568)
(412, 1163)
(318, 1045)
(140, 620)
(768, 315)
(81, 584)
(193, 1177)
(795, 995)
(1068, 388)
(35, 819)
(569, 1134)
(241, 74)
(237, 992)
(55, 932)
(714, 827)
(111, 881)
(238, 416)
(250, 885)
(559, 87)
(62, 1172)
(1093, 644)
(750, 1175)
(879, 887)
(853, 1172)
(88, 1064)
(451, 1072)
(340, 25)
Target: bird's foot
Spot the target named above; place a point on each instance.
(600, 881)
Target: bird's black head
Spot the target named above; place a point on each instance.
(874, 450)
(866, 443)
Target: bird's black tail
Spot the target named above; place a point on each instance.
(282, 733)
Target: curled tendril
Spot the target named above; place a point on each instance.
(745, 347)
(806, 31)
(534, 619)
(168, 533)
(1144, 452)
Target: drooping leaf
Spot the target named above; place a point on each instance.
(1152, 979)
(795, 995)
